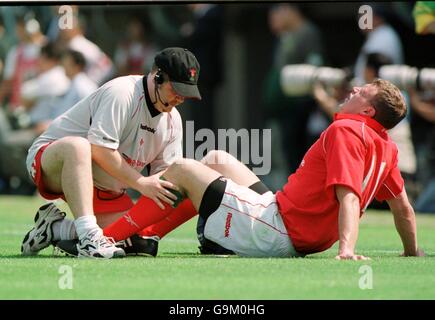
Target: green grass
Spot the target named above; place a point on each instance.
(179, 272)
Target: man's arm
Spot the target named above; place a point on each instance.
(348, 223)
(404, 219)
(152, 187)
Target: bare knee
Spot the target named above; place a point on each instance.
(216, 157)
(181, 169)
(211, 157)
(66, 149)
(77, 148)
(183, 165)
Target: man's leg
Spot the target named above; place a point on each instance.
(158, 222)
(146, 213)
(192, 177)
(105, 219)
(217, 160)
(229, 167)
(66, 168)
(226, 165)
(183, 213)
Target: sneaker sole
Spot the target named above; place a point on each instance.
(140, 254)
(68, 254)
(115, 256)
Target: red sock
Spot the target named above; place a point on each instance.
(184, 212)
(143, 214)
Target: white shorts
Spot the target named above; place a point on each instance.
(249, 224)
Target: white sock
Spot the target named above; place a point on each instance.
(68, 230)
(55, 227)
(64, 230)
(85, 224)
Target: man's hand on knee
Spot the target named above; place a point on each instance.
(158, 190)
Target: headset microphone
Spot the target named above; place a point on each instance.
(157, 94)
(158, 78)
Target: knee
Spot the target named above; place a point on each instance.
(77, 147)
(182, 166)
(215, 157)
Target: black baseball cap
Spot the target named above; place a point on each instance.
(182, 69)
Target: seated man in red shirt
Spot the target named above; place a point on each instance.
(351, 163)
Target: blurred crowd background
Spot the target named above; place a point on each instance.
(242, 49)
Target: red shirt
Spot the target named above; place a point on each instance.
(354, 151)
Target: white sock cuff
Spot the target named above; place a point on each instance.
(85, 224)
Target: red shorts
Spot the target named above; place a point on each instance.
(103, 201)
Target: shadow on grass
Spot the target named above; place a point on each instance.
(192, 255)
(208, 256)
(19, 256)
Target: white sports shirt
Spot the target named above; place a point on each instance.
(119, 115)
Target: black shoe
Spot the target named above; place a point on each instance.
(41, 235)
(69, 247)
(208, 246)
(133, 246)
(139, 246)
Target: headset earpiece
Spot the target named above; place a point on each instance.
(158, 80)
(159, 77)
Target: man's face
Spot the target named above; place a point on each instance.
(168, 95)
(358, 100)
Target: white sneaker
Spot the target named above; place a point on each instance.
(96, 245)
(41, 235)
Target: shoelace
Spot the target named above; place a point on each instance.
(101, 240)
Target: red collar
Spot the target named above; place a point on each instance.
(372, 123)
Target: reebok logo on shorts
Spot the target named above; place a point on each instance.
(228, 224)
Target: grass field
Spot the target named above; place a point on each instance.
(179, 272)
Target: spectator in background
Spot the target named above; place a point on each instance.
(99, 66)
(400, 134)
(21, 61)
(80, 87)
(425, 108)
(135, 54)
(298, 41)
(5, 45)
(381, 39)
(41, 94)
(423, 105)
(204, 37)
